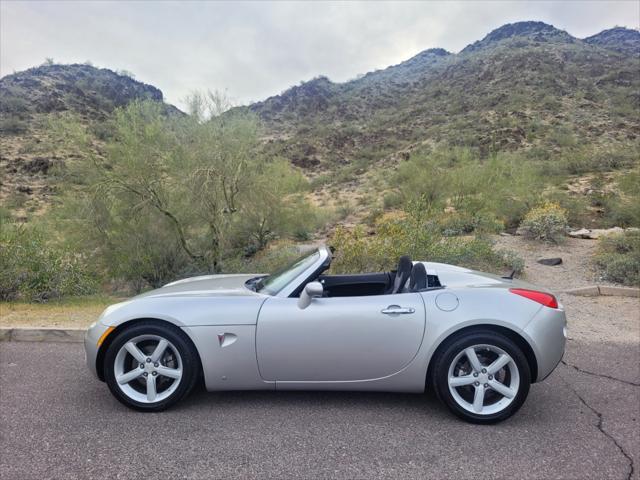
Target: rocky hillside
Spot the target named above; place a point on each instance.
(619, 39)
(524, 86)
(80, 88)
(30, 99)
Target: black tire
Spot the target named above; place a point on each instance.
(447, 354)
(185, 348)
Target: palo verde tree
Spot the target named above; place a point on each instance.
(170, 194)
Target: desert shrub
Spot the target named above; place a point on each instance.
(575, 206)
(16, 200)
(391, 200)
(5, 215)
(511, 259)
(344, 210)
(275, 207)
(563, 137)
(618, 257)
(464, 223)
(14, 111)
(547, 222)
(581, 159)
(12, 103)
(32, 270)
(503, 187)
(12, 125)
(619, 211)
(415, 234)
(623, 210)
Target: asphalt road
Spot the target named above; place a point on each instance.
(58, 422)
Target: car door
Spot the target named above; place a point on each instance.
(338, 339)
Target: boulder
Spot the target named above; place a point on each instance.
(582, 233)
(550, 261)
(596, 232)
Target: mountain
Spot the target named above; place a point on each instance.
(537, 31)
(619, 39)
(526, 87)
(83, 89)
(523, 86)
(29, 99)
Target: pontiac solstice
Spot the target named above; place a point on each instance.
(477, 339)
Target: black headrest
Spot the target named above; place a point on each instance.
(405, 264)
(402, 274)
(418, 279)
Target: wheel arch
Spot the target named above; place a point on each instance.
(512, 335)
(128, 324)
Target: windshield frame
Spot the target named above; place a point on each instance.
(314, 269)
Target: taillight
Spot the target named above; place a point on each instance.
(545, 299)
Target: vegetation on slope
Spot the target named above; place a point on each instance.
(525, 87)
(30, 100)
(427, 157)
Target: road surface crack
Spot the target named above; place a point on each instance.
(602, 430)
(601, 375)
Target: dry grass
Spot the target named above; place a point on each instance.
(75, 313)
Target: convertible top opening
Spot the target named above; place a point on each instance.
(407, 277)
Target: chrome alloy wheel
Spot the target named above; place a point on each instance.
(483, 379)
(148, 368)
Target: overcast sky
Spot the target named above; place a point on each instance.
(254, 50)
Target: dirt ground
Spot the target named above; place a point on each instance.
(614, 319)
(575, 271)
(79, 314)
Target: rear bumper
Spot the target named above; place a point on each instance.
(547, 335)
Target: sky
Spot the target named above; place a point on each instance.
(253, 50)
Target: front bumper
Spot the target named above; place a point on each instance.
(91, 348)
(547, 335)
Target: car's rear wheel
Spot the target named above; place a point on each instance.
(482, 376)
(150, 366)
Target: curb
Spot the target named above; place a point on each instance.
(74, 335)
(598, 290)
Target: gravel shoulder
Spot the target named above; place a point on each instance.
(575, 271)
(74, 314)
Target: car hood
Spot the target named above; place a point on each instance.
(210, 285)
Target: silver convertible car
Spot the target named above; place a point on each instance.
(478, 340)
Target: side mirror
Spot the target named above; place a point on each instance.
(311, 290)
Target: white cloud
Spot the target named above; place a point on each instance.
(257, 49)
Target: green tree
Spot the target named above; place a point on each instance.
(169, 194)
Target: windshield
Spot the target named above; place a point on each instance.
(272, 284)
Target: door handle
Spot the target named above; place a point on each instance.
(397, 310)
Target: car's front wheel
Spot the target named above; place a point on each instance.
(150, 366)
(482, 376)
